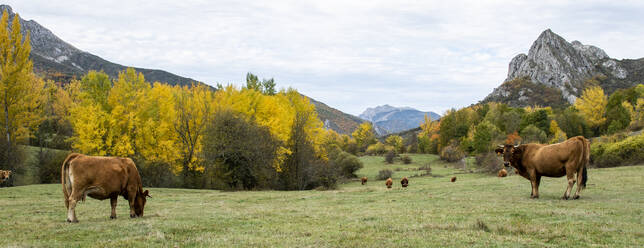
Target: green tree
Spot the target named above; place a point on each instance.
(532, 134)
(485, 137)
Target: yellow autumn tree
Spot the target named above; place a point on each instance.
(395, 141)
(364, 135)
(558, 135)
(21, 92)
(193, 106)
(157, 140)
(592, 106)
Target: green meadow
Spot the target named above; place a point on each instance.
(476, 210)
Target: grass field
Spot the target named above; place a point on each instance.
(476, 210)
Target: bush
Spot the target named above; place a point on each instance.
(49, 163)
(452, 153)
(489, 162)
(384, 174)
(376, 149)
(389, 157)
(611, 154)
(157, 174)
(406, 159)
(348, 164)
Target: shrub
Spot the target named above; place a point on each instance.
(489, 162)
(157, 174)
(406, 159)
(452, 153)
(376, 149)
(389, 157)
(611, 154)
(384, 174)
(348, 164)
(49, 163)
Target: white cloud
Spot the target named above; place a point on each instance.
(430, 55)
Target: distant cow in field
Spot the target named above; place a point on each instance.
(101, 178)
(404, 182)
(533, 161)
(453, 179)
(503, 173)
(4, 175)
(389, 182)
(363, 180)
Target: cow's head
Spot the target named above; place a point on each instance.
(139, 202)
(4, 175)
(511, 155)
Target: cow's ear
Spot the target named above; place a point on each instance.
(146, 193)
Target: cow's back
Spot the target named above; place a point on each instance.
(110, 174)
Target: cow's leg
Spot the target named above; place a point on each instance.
(579, 186)
(570, 174)
(113, 200)
(534, 180)
(131, 196)
(73, 199)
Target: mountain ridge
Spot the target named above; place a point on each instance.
(387, 119)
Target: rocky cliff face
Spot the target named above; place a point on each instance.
(555, 63)
(387, 119)
(53, 56)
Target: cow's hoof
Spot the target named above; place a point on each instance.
(132, 216)
(112, 217)
(564, 197)
(72, 221)
(575, 197)
(534, 196)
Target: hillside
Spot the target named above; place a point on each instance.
(58, 60)
(388, 119)
(336, 120)
(474, 211)
(554, 71)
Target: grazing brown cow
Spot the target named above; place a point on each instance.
(4, 175)
(453, 179)
(101, 178)
(389, 182)
(404, 182)
(363, 180)
(533, 161)
(503, 173)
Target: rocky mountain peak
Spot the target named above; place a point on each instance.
(561, 66)
(554, 62)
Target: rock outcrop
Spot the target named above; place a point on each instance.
(555, 63)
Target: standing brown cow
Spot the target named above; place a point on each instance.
(404, 182)
(363, 180)
(389, 182)
(101, 178)
(533, 161)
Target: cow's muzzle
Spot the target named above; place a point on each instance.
(506, 164)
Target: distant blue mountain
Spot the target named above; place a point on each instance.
(387, 119)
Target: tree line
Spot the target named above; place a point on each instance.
(227, 137)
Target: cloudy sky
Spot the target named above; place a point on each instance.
(429, 55)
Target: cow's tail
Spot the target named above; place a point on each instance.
(64, 174)
(585, 159)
